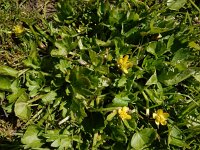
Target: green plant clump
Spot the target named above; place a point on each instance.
(118, 74)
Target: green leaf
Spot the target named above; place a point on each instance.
(190, 108)
(130, 124)
(155, 96)
(58, 53)
(197, 76)
(15, 95)
(143, 139)
(49, 97)
(133, 16)
(130, 32)
(66, 11)
(63, 65)
(64, 46)
(102, 43)
(78, 110)
(122, 81)
(22, 109)
(153, 79)
(170, 42)
(52, 135)
(103, 82)
(66, 143)
(15, 86)
(151, 48)
(59, 138)
(80, 82)
(8, 71)
(182, 59)
(150, 64)
(29, 63)
(175, 137)
(194, 45)
(176, 4)
(95, 59)
(118, 134)
(56, 143)
(115, 16)
(34, 81)
(2, 95)
(30, 138)
(155, 30)
(121, 99)
(102, 9)
(5, 83)
(33, 60)
(175, 77)
(111, 115)
(62, 50)
(102, 69)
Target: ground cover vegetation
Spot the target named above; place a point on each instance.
(100, 74)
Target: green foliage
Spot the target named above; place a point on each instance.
(22, 110)
(176, 5)
(5, 84)
(67, 91)
(7, 71)
(142, 139)
(176, 138)
(30, 137)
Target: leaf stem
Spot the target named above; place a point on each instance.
(35, 116)
(147, 103)
(104, 109)
(194, 5)
(35, 99)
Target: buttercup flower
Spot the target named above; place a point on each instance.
(123, 113)
(18, 29)
(124, 64)
(160, 117)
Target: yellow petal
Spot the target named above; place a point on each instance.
(165, 115)
(126, 58)
(157, 122)
(123, 63)
(159, 112)
(160, 117)
(164, 122)
(125, 109)
(154, 115)
(128, 117)
(119, 111)
(125, 70)
(123, 113)
(120, 62)
(18, 29)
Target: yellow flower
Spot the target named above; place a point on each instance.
(160, 117)
(18, 29)
(124, 64)
(123, 113)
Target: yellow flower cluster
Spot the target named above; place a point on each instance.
(18, 29)
(123, 113)
(160, 117)
(124, 64)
